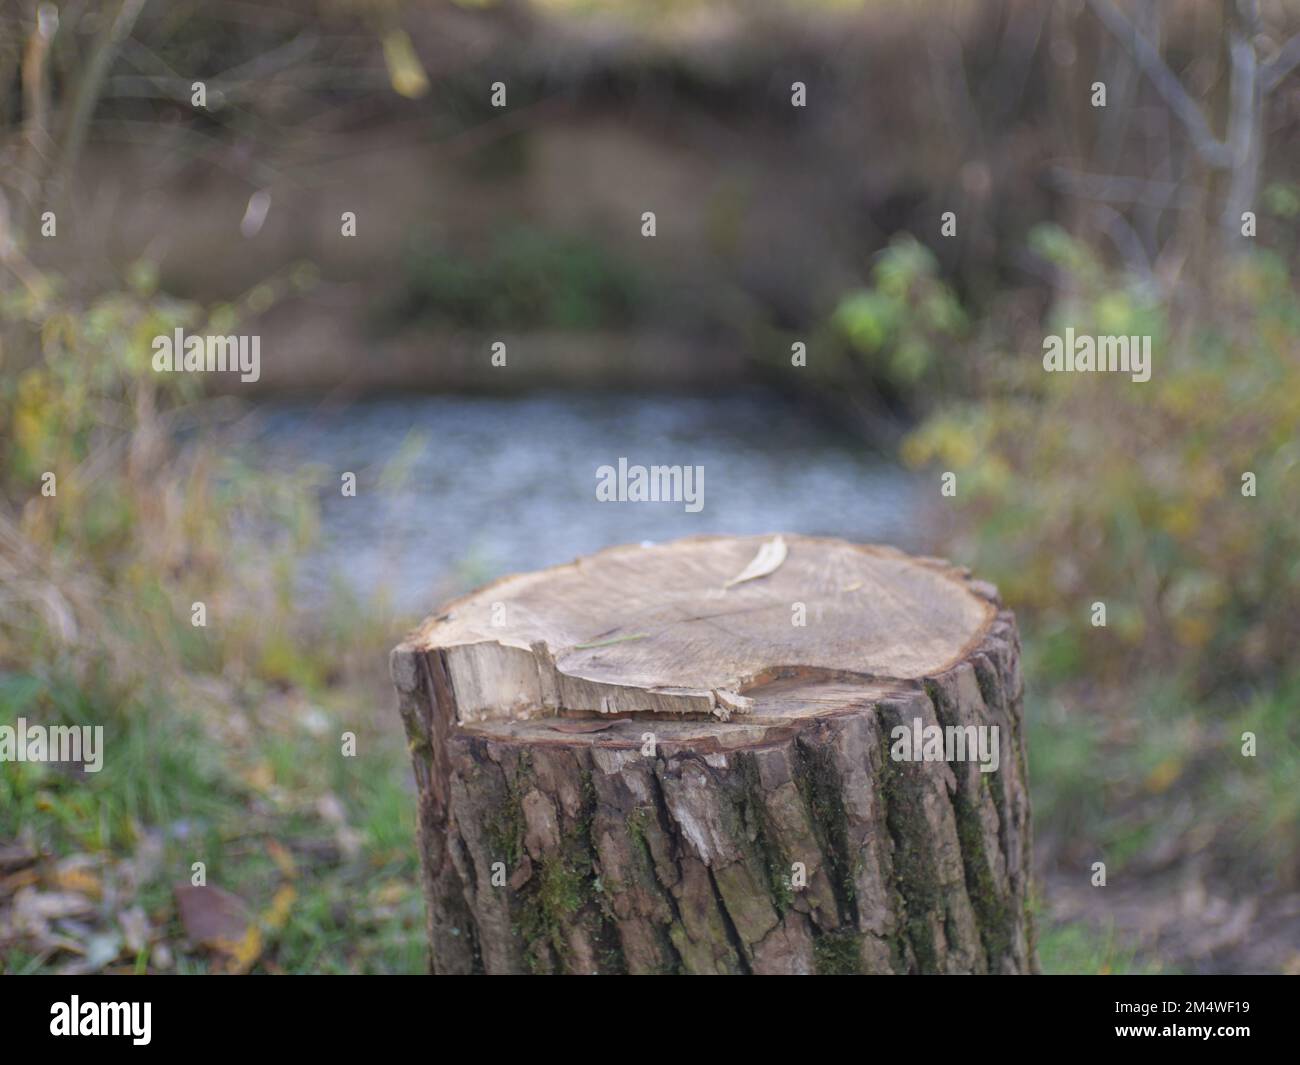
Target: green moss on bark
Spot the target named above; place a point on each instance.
(837, 954)
(819, 783)
(915, 877)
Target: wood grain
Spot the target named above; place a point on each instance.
(656, 630)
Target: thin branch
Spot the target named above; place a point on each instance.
(1127, 242)
(1274, 72)
(1166, 83)
(1109, 188)
(1248, 12)
(1244, 134)
(88, 88)
(36, 76)
(246, 80)
(29, 177)
(271, 62)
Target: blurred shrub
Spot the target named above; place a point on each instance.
(153, 509)
(1091, 487)
(898, 329)
(527, 278)
(216, 739)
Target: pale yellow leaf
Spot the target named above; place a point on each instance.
(405, 71)
(769, 558)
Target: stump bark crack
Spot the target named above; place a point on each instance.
(609, 781)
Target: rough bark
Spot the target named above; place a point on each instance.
(769, 831)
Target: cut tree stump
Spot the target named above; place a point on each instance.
(638, 763)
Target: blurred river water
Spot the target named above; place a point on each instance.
(454, 490)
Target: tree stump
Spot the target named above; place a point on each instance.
(640, 763)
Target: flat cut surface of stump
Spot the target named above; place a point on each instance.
(660, 630)
(642, 762)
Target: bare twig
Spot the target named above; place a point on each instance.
(36, 113)
(265, 65)
(1112, 188)
(114, 31)
(1274, 72)
(1208, 147)
(1244, 134)
(1127, 242)
(1248, 12)
(240, 82)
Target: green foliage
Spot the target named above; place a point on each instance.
(526, 278)
(1151, 765)
(1075, 949)
(1080, 488)
(1091, 487)
(899, 327)
(1282, 199)
(149, 486)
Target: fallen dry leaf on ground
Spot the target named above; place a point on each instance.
(211, 916)
(220, 921)
(16, 856)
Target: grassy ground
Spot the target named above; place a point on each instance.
(1075, 947)
(319, 846)
(1198, 840)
